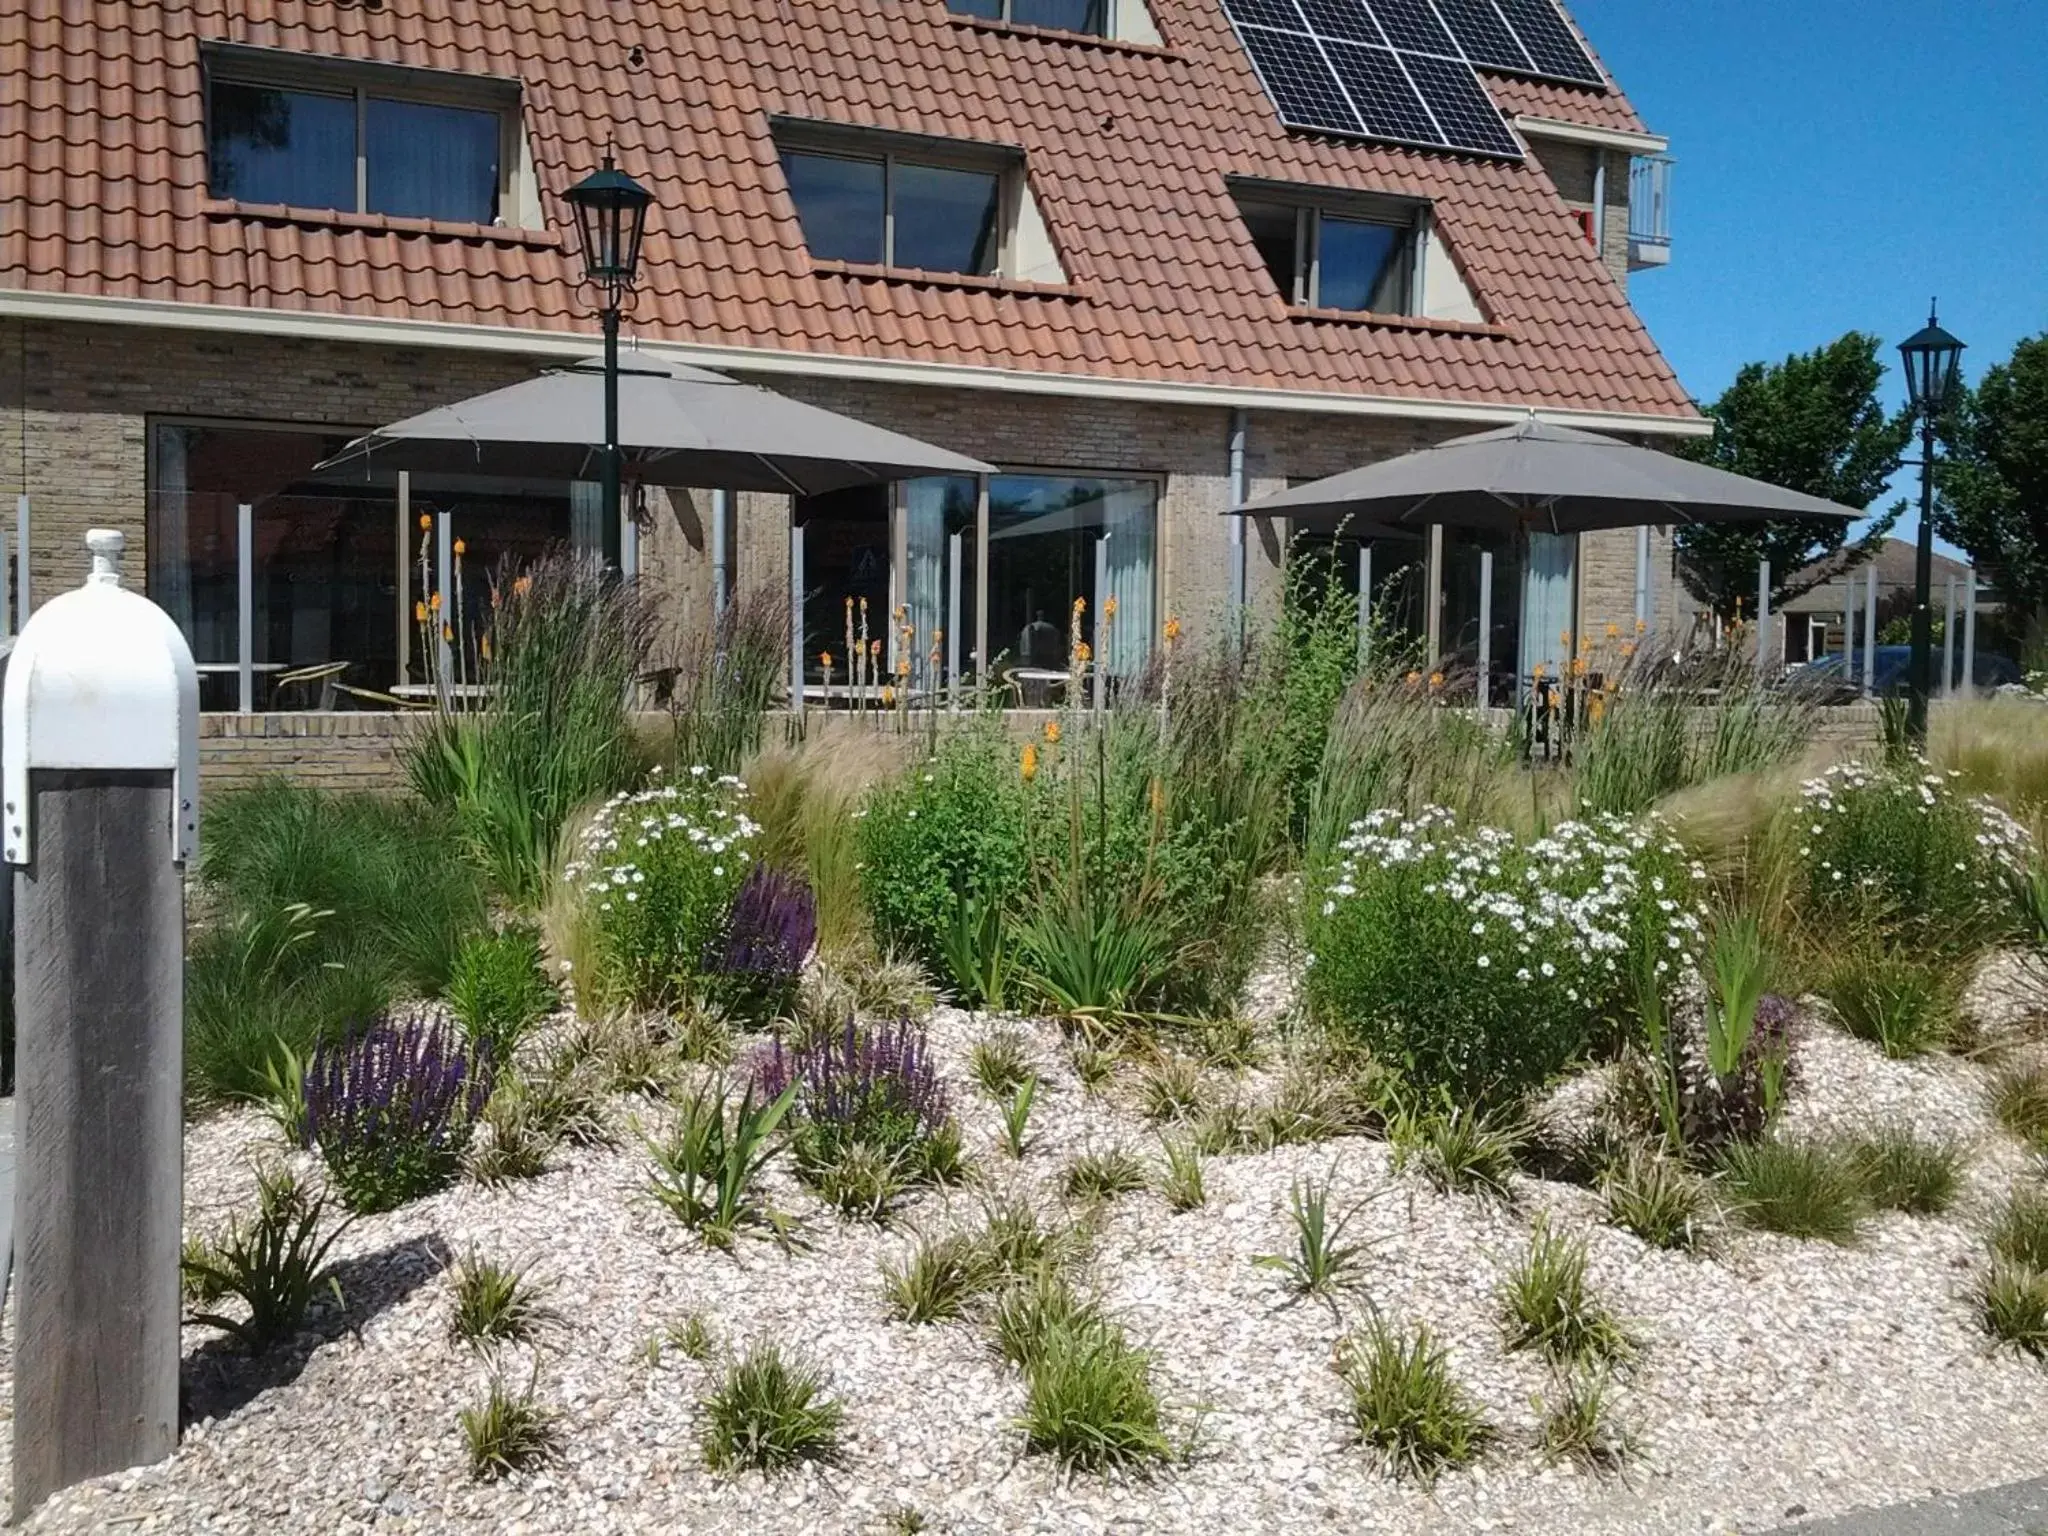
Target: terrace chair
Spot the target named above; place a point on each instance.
(318, 681)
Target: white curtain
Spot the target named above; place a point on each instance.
(170, 536)
(1130, 528)
(1548, 588)
(586, 517)
(924, 559)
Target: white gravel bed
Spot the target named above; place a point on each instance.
(1777, 1378)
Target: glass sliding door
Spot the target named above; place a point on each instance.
(938, 526)
(1549, 605)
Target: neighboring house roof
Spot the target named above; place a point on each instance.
(102, 160)
(1894, 564)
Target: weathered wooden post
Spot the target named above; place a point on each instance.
(100, 785)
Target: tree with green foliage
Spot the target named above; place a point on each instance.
(1994, 482)
(1812, 423)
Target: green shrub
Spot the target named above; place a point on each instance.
(1658, 1198)
(2012, 1301)
(1482, 965)
(1902, 1003)
(1405, 1405)
(770, 1412)
(949, 829)
(498, 991)
(1548, 1306)
(566, 644)
(1797, 1188)
(655, 873)
(1903, 850)
(508, 1432)
(274, 1264)
(1089, 1400)
(1903, 1173)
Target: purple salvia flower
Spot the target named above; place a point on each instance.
(773, 924)
(391, 1107)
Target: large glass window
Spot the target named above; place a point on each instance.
(335, 576)
(1056, 539)
(888, 211)
(356, 148)
(1330, 260)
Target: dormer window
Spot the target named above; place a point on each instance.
(1358, 255)
(876, 199)
(323, 133)
(1125, 21)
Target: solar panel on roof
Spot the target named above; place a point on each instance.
(1486, 37)
(1413, 24)
(1267, 13)
(1552, 45)
(1386, 99)
(1462, 107)
(1298, 78)
(1342, 18)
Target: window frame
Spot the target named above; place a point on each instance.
(1412, 217)
(1006, 16)
(889, 149)
(361, 79)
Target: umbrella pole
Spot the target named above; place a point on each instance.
(608, 520)
(1485, 689)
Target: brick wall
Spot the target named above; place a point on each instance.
(1572, 170)
(337, 751)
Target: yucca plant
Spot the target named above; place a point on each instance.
(1017, 1115)
(977, 949)
(497, 991)
(704, 1170)
(1321, 1262)
(275, 1264)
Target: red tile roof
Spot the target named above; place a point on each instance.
(102, 156)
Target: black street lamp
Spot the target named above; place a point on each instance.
(611, 216)
(1933, 362)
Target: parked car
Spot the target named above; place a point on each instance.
(1826, 677)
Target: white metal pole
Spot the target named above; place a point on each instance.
(1102, 593)
(1485, 685)
(721, 551)
(444, 588)
(953, 556)
(1763, 618)
(1970, 634)
(1642, 578)
(796, 619)
(1240, 493)
(1365, 605)
(1870, 633)
(245, 608)
(21, 598)
(405, 618)
(1948, 643)
(629, 533)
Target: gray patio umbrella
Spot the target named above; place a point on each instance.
(679, 426)
(1536, 475)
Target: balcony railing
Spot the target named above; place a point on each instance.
(1649, 211)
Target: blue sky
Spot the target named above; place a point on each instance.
(1839, 163)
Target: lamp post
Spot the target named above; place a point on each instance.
(1933, 360)
(611, 215)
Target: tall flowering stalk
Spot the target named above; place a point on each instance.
(391, 1107)
(767, 938)
(873, 1086)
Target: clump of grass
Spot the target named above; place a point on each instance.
(199, 1270)
(1903, 1004)
(1322, 1262)
(1797, 1188)
(1038, 1306)
(770, 1412)
(1901, 1172)
(691, 1337)
(1104, 1174)
(493, 1301)
(1547, 1305)
(2013, 1303)
(1172, 1089)
(274, 1264)
(1578, 1426)
(1406, 1406)
(704, 1170)
(859, 1180)
(1089, 1401)
(1017, 1115)
(1000, 1062)
(1310, 1105)
(2019, 1232)
(1658, 1198)
(507, 1432)
(1457, 1149)
(1225, 1126)
(519, 1137)
(1231, 1043)
(2019, 1097)
(1181, 1184)
(905, 1520)
(939, 1278)
(1021, 1243)
(1094, 1066)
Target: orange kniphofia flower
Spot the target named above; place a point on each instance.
(447, 632)
(1080, 605)
(434, 602)
(888, 694)
(1613, 631)
(1081, 652)
(419, 612)
(1109, 609)
(1436, 681)
(1172, 630)
(522, 586)
(1028, 764)
(1538, 671)
(903, 666)
(1564, 638)
(461, 547)
(1641, 626)
(1628, 648)
(1412, 678)
(1052, 732)
(824, 658)
(426, 522)
(483, 647)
